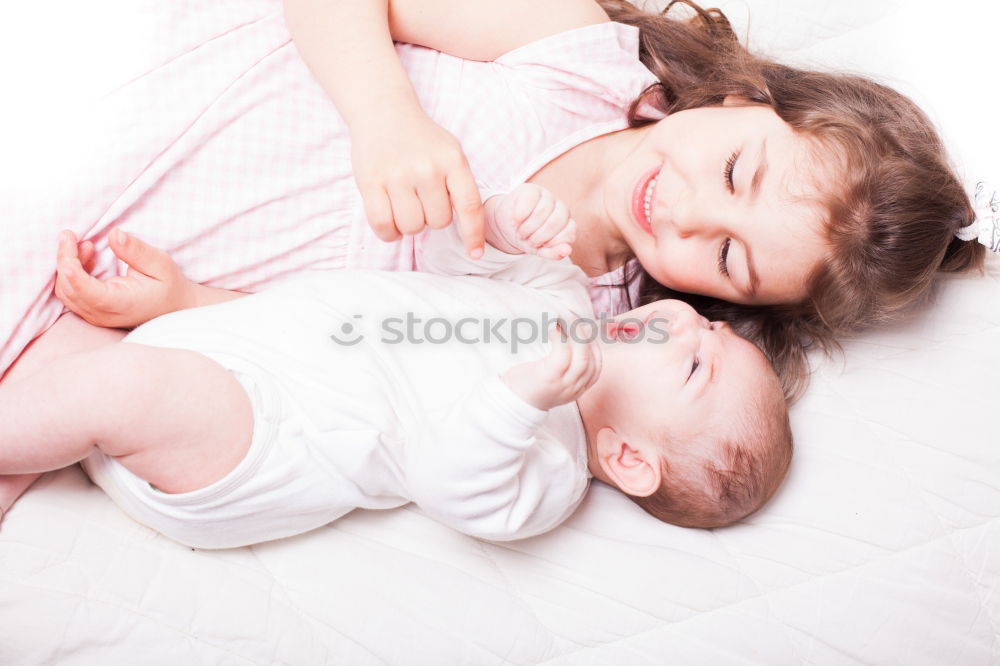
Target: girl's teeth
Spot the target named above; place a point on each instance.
(648, 207)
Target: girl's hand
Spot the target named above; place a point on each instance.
(411, 173)
(561, 377)
(531, 220)
(154, 284)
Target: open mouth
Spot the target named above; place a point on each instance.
(642, 200)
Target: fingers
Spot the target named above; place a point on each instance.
(470, 216)
(552, 227)
(76, 288)
(378, 210)
(573, 365)
(87, 255)
(535, 218)
(594, 369)
(402, 210)
(548, 231)
(555, 253)
(567, 235)
(407, 213)
(560, 356)
(581, 367)
(66, 248)
(526, 198)
(561, 245)
(140, 255)
(435, 203)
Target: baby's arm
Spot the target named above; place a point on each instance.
(482, 468)
(153, 286)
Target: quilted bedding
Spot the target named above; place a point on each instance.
(883, 547)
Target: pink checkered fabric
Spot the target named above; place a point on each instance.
(216, 144)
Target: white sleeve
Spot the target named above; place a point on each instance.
(442, 253)
(481, 467)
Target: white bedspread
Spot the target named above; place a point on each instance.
(882, 548)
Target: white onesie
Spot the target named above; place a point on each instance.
(380, 419)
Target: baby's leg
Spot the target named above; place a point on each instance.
(174, 418)
(68, 334)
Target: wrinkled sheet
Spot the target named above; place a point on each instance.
(883, 547)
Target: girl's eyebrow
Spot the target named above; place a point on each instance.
(752, 273)
(761, 171)
(755, 187)
(753, 280)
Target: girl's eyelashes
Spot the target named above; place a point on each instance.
(728, 171)
(723, 253)
(728, 176)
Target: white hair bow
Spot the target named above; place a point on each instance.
(986, 226)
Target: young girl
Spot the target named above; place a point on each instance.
(739, 180)
(764, 184)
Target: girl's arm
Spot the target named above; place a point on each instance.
(410, 172)
(348, 47)
(486, 29)
(347, 42)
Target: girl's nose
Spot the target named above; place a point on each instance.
(692, 217)
(686, 220)
(685, 225)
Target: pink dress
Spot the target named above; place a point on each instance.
(218, 146)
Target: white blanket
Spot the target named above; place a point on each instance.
(883, 547)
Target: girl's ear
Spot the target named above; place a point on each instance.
(635, 470)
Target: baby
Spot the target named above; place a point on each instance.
(273, 414)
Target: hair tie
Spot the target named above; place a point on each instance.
(985, 227)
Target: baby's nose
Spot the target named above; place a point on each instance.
(685, 321)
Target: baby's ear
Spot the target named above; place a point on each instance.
(635, 470)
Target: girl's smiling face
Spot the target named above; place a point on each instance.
(732, 202)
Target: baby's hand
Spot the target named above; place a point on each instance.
(561, 377)
(154, 284)
(532, 220)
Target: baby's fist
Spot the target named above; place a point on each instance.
(559, 378)
(531, 219)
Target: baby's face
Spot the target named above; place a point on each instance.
(671, 375)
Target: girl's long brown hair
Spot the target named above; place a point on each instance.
(891, 218)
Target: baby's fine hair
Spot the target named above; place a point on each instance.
(716, 490)
(891, 219)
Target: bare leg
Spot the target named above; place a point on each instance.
(68, 334)
(175, 418)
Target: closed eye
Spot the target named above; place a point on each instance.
(728, 171)
(694, 366)
(723, 254)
